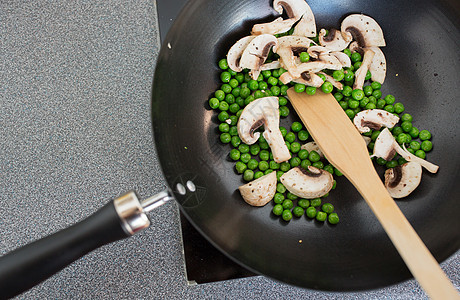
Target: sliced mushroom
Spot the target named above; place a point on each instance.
(307, 78)
(263, 111)
(307, 25)
(386, 147)
(274, 27)
(378, 67)
(335, 40)
(294, 8)
(257, 51)
(309, 184)
(365, 30)
(324, 62)
(402, 180)
(271, 65)
(260, 191)
(361, 73)
(316, 51)
(312, 146)
(289, 47)
(235, 52)
(374, 119)
(343, 58)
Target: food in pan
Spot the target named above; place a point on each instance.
(283, 163)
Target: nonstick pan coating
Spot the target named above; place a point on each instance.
(423, 65)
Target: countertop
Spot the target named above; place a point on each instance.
(75, 80)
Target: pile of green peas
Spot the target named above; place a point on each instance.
(238, 89)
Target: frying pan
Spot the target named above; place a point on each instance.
(423, 61)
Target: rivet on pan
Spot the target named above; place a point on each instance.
(191, 186)
(180, 189)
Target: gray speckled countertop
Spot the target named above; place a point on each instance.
(75, 79)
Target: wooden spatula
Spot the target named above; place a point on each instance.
(344, 147)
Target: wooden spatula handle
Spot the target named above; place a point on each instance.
(415, 254)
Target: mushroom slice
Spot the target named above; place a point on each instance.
(271, 65)
(361, 73)
(374, 119)
(307, 78)
(343, 58)
(365, 30)
(274, 27)
(386, 147)
(335, 40)
(260, 191)
(294, 8)
(235, 52)
(402, 180)
(316, 51)
(289, 47)
(257, 51)
(331, 79)
(307, 25)
(378, 66)
(263, 111)
(324, 62)
(312, 146)
(309, 184)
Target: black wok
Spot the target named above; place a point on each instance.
(422, 55)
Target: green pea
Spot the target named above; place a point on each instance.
(214, 103)
(338, 75)
(264, 155)
(284, 89)
(236, 141)
(287, 215)
(239, 77)
(337, 172)
(304, 57)
(389, 99)
(258, 174)
(275, 90)
(427, 146)
(350, 113)
(243, 148)
(291, 196)
(266, 73)
(252, 164)
(278, 210)
(303, 135)
(397, 131)
(305, 164)
(278, 175)
(226, 88)
(298, 211)
(258, 94)
(424, 135)
(235, 154)
(240, 101)
(282, 101)
(377, 94)
(253, 85)
(363, 102)
(313, 156)
(415, 145)
(223, 64)
(263, 165)
(329, 168)
(406, 126)
(233, 83)
(296, 126)
(304, 203)
(295, 162)
(327, 208)
(375, 134)
(399, 107)
(376, 85)
(420, 153)
(272, 81)
(406, 118)
(381, 161)
(371, 106)
(381, 103)
(233, 131)
(285, 166)
(357, 94)
(233, 73)
(315, 202)
(224, 127)
(338, 96)
(327, 87)
(353, 104)
(401, 138)
(263, 85)
(333, 218)
(318, 164)
(311, 212)
(349, 76)
(284, 111)
(321, 216)
(414, 132)
(391, 164)
(254, 149)
(274, 165)
(276, 73)
(225, 138)
(368, 90)
(234, 108)
(240, 167)
(295, 147)
(248, 175)
(347, 51)
(280, 188)
(310, 90)
(278, 198)
(299, 87)
(372, 99)
(355, 57)
(245, 92)
(401, 161)
(264, 145)
(245, 157)
(290, 137)
(303, 154)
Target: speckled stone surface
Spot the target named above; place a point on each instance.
(75, 80)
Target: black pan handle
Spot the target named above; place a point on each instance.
(25, 267)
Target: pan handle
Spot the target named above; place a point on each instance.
(27, 266)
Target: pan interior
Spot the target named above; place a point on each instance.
(422, 72)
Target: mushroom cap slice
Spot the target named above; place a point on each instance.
(309, 184)
(378, 67)
(335, 40)
(325, 61)
(263, 111)
(307, 78)
(260, 191)
(294, 8)
(361, 73)
(343, 58)
(271, 65)
(365, 30)
(257, 51)
(374, 119)
(274, 27)
(402, 180)
(307, 25)
(288, 47)
(235, 52)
